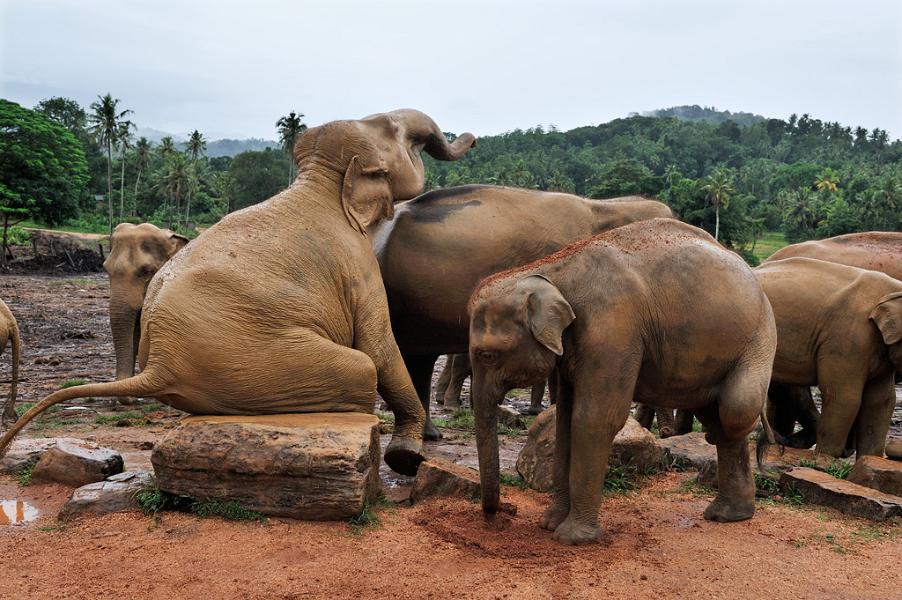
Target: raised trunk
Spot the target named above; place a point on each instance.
(485, 409)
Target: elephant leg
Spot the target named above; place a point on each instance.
(560, 502)
(459, 373)
(728, 423)
(665, 421)
(601, 406)
(420, 368)
(535, 399)
(554, 383)
(443, 379)
(872, 425)
(682, 423)
(841, 401)
(645, 415)
(806, 413)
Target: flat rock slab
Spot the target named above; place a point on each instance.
(438, 477)
(823, 489)
(878, 473)
(688, 451)
(26, 451)
(115, 494)
(633, 446)
(76, 463)
(510, 417)
(313, 466)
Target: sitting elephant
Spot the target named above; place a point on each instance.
(440, 245)
(280, 307)
(136, 254)
(839, 328)
(655, 312)
(9, 332)
(873, 250)
(457, 369)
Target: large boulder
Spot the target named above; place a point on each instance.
(878, 473)
(633, 446)
(24, 452)
(689, 451)
(76, 463)
(439, 477)
(823, 489)
(115, 494)
(317, 466)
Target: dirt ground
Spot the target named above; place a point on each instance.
(655, 543)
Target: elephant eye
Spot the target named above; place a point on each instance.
(486, 355)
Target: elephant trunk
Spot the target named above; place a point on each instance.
(485, 409)
(124, 324)
(421, 129)
(666, 424)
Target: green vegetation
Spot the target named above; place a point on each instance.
(514, 481)
(367, 519)
(461, 419)
(839, 468)
(768, 243)
(74, 382)
(130, 417)
(24, 474)
(153, 500)
(621, 479)
(224, 509)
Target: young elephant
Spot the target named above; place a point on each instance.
(280, 307)
(9, 331)
(457, 369)
(136, 254)
(654, 312)
(839, 328)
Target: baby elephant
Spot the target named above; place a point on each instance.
(655, 312)
(840, 328)
(9, 332)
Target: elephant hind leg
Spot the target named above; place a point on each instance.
(535, 399)
(420, 368)
(443, 379)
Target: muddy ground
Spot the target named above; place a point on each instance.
(655, 544)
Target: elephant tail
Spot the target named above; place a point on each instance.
(144, 384)
(766, 438)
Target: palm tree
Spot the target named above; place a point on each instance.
(177, 181)
(719, 189)
(827, 181)
(124, 136)
(195, 149)
(167, 147)
(106, 119)
(290, 128)
(143, 151)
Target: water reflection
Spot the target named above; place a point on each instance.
(16, 512)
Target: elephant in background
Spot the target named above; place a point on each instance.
(280, 307)
(451, 380)
(584, 313)
(438, 246)
(9, 332)
(136, 254)
(840, 328)
(873, 250)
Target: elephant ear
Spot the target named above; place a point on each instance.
(366, 195)
(887, 315)
(177, 241)
(547, 312)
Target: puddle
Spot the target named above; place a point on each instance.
(16, 512)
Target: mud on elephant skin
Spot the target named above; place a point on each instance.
(9, 333)
(585, 312)
(280, 307)
(137, 252)
(840, 328)
(437, 248)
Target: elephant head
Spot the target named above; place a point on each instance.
(516, 337)
(887, 316)
(136, 253)
(375, 160)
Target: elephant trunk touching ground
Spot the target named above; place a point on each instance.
(9, 332)
(485, 410)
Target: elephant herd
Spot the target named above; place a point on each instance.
(349, 284)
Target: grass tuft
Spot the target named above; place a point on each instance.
(367, 519)
(74, 382)
(514, 481)
(24, 474)
(839, 469)
(153, 500)
(462, 418)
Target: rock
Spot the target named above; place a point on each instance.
(115, 494)
(511, 418)
(878, 473)
(823, 489)
(76, 463)
(894, 448)
(24, 451)
(633, 445)
(318, 466)
(688, 451)
(438, 477)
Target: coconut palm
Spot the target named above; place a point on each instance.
(827, 181)
(124, 137)
(143, 151)
(177, 181)
(167, 147)
(195, 149)
(106, 120)
(290, 128)
(719, 190)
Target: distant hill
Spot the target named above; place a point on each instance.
(229, 147)
(696, 113)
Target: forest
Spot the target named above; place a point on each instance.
(737, 175)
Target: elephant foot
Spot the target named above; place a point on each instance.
(451, 404)
(572, 533)
(126, 400)
(440, 400)
(553, 516)
(665, 432)
(404, 455)
(724, 511)
(534, 410)
(431, 432)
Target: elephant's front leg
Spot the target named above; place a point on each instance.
(872, 424)
(560, 503)
(840, 401)
(599, 412)
(535, 399)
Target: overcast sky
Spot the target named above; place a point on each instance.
(231, 68)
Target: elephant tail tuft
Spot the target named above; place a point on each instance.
(766, 438)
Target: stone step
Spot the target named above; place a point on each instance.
(313, 466)
(878, 473)
(823, 489)
(439, 477)
(115, 494)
